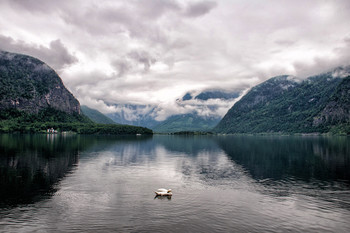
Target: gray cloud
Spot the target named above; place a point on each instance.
(197, 9)
(156, 8)
(142, 57)
(36, 5)
(130, 63)
(56, 55)
(122, 66)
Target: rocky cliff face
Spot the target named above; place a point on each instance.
(337, 110)
(30, 85)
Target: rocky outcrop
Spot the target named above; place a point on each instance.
(337, 110)
(30, 85)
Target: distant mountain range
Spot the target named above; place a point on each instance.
(286, 104)
(187, 122)
(211, 94)
(195, 120)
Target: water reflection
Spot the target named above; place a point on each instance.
(304, 158)
(317, 167)
(190, 145)
(162, 197)
(90, 183)
(31, 165)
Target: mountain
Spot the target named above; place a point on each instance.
(96, 116)
(27, 84)
(187, 122)
(285, 104)
(336, 113)
(34, 99)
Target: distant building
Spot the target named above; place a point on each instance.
(52, 130)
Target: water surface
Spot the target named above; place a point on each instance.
(219, 183)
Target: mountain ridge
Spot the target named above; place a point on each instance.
(284, 104)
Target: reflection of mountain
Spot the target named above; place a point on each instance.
(279, 157)
(31, 165)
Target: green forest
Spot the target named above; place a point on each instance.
(12, 120)
(319, 104)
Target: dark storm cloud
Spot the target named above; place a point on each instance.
(56, 55)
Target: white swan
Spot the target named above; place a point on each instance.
(164, 192)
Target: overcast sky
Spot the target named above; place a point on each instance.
(154, 51)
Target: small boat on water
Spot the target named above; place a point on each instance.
(163, 192)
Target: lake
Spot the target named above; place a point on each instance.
(77, 183)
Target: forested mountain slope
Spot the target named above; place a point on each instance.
(285, 104)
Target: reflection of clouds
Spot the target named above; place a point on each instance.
(213, 190)
(196, 158)
(167, 157)
(207, 166)
(294, 167)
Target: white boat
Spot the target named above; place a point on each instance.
(164, 192)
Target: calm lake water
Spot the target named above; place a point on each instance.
(77, 183)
